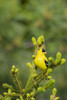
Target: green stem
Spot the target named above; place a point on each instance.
(42, 78)
(12, 95)
(18, 83)
(42, 73)
(38, 79)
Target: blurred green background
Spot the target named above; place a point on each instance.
(19, 21)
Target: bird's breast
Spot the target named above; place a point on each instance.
(39, 62)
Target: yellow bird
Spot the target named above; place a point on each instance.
(40, 60)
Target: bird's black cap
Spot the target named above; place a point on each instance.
(43, 50)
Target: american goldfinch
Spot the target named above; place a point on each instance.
(40, 60)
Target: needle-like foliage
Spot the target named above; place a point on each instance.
(33, 86)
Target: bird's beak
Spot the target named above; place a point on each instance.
(45, 52)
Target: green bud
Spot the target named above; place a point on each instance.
(21, 98)
(49, 84)
(49, 71)
(34, 40)
(51, 97)
(16, 70)
(5, 93)
(13, 67)
(54, 91)
(34, 75)
(58, 57)
(28, 95)
(29, 65)
(9, 90)
(33, 56)
(40, 89)
(63, 61)
(17, 99)
(13, 93)
(51, 60)
(12, 70)
(40, 40)
(5, 85)
(57, 98)
(24, 90)
(49, 77)
(31, 93)
(32, 98)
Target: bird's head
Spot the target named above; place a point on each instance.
(43, 51)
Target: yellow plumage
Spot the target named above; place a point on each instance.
(41, 60)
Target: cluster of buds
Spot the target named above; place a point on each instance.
(14, 70)
(10, 93)
(40, 89)
(39, 41)
(7, 86)
(21, 98)
(59, 60)
(53, 96)
(49, 71)
(49, 84)
(30, 96)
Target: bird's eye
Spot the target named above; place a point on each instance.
(43, 50)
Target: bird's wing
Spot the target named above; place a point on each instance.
(46, 63)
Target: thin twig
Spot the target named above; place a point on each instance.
(12, 95)
(42, 78)
(41, 74)
(18, 83)
(38, 80)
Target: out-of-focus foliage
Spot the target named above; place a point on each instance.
(22, 19)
